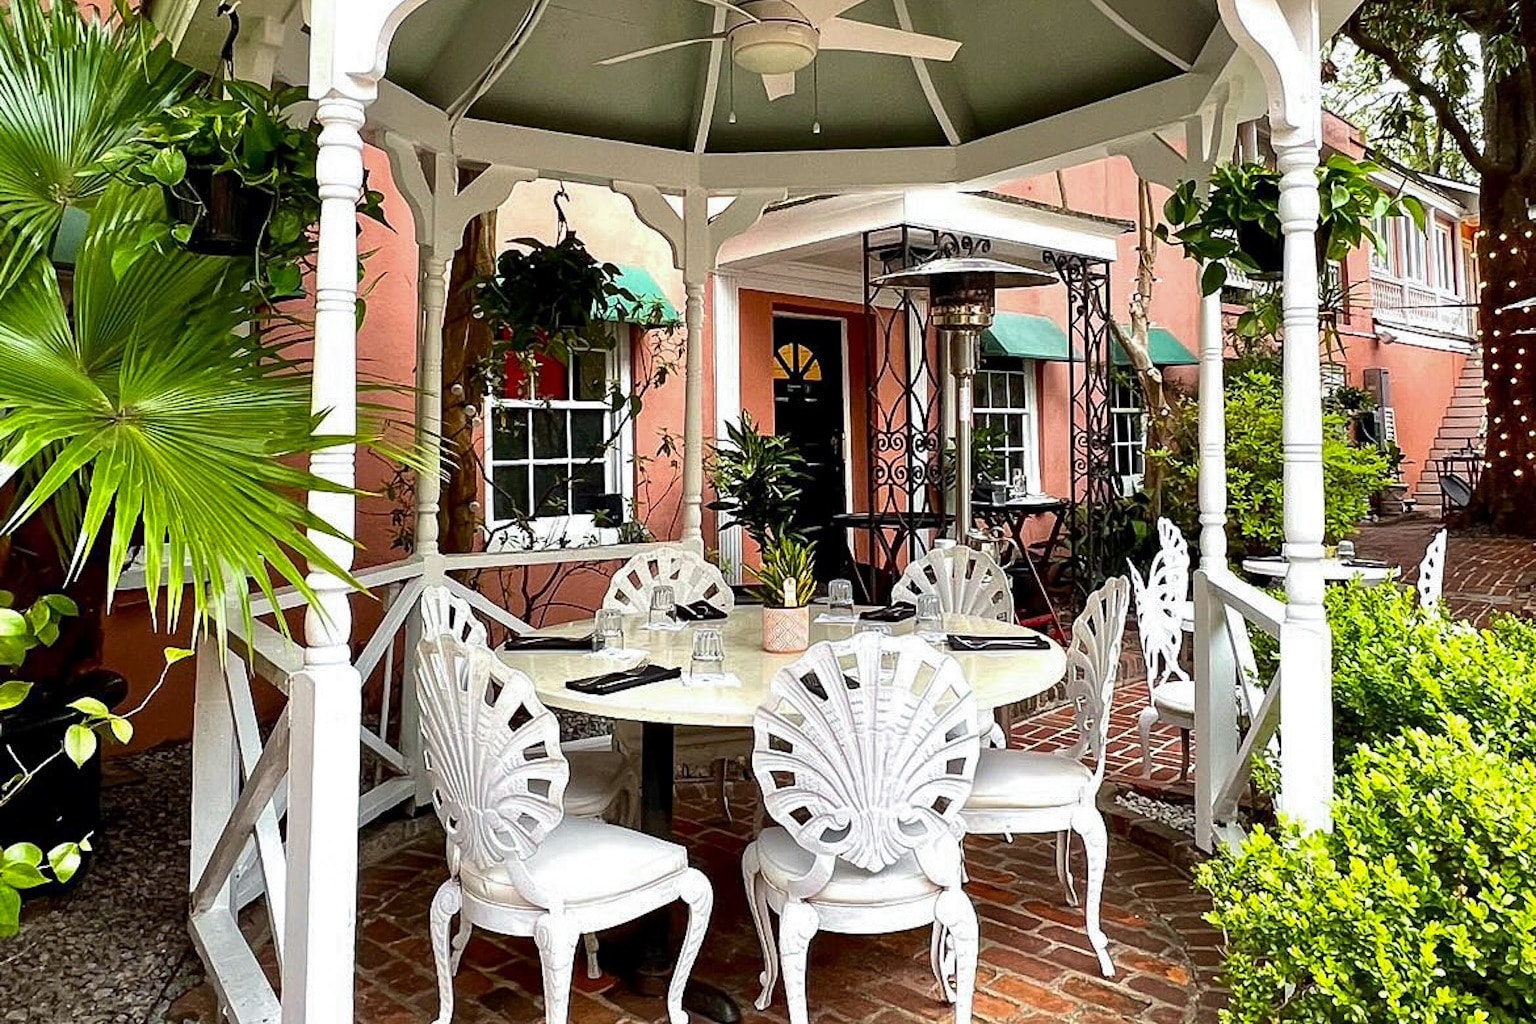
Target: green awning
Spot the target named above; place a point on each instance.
(1167, 349)
(1025, 336)
(648, 296)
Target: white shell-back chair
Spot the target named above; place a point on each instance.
(864, 750)
(1431, 581)
(691, 579)
(517, 865)
(1161, 607)
(967, 582)
(1021, 791)
(600, 784)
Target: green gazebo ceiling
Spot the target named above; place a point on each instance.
(1019, 62)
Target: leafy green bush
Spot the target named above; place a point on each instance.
(1418, 908)
(1255, 513)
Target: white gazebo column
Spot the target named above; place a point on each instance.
(725, 338)
(1282, 38)
(695, 238)
(1213, 437)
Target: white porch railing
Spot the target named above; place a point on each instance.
(1418, 306)
(239, 777)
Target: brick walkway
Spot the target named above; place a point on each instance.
(1036, 965)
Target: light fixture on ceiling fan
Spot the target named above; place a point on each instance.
(776, 38)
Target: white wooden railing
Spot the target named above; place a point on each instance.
(1227, 689)
(1418, 306)
(239, 776)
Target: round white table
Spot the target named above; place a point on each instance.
(1334, 570)
(997, 678)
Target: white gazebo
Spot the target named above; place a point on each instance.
(470, 97)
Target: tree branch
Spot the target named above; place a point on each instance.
(1445, 110)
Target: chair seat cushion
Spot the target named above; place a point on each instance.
(784, 860)
(596, 778)
(1176, 696)
(1024, 778)
(582, 862)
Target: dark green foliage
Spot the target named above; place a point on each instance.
(757, 479)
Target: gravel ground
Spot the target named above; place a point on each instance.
(115, 950)
(1178, 816)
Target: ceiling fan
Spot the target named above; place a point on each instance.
(776, 38)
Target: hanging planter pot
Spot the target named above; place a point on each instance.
(1268, 251)
(227, 216)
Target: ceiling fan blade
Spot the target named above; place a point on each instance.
(733, 8)
(779, 85)
(663, 48)
(861, 36)
(818, 11)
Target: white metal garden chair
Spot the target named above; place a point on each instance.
(1162, 605)
(864, 750)
(1431, 581)
(1025, 792)
(601, 783)
(691, 579)
(517, 864)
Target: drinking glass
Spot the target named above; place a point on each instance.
(663, 607)
(866, 626)
(608, 633)
(840, 597)
(930, 617)
(1346, 551)
(708, 654)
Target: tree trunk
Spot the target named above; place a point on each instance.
(1506, 493)
(466, 352)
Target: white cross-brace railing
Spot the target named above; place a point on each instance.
(239, 778)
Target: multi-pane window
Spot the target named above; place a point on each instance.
(1128, 427)
(1445, 259)
(554, 449)
(1381, 259)
(1005, 408)
(1415, 252)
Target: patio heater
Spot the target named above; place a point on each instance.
(962, 298)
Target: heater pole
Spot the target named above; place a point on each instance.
(962, 366)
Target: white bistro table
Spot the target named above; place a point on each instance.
(997, 678)
(1334, 570)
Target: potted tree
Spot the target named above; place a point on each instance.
(787, 584)
(757, 479)
(1237, 221)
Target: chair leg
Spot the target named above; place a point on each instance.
(757, 904)
(695, 891)
(722, 767)
(460, 940)
(958, 918)
(1088, 824)
(445, 904)
(556, 938)
(1184, 762)
(1064, 866)
(941, 953)
(798, 923)
(589, 942)
(1144, 723)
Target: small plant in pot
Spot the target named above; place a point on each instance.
(757, 479)
(787, 583)
(1237, 221)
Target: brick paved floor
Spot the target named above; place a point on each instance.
(1035, 961)
(1483, 575)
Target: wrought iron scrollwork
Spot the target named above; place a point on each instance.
(949, 245)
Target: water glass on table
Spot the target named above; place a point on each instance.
(840, 597)
(930, 618)
(608, 631)
(663, 608)
(708, 662)
(865, 626)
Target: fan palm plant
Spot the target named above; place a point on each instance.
(73, 87)
(145, 415)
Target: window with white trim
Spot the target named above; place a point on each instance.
(1415, 252)
(1381, 259)
(1005, 405)
(1445, 259)
(1128, 431)
(556, 452)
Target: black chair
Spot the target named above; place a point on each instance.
(1455, 493)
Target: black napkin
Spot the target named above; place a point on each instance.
(699, 611)
(529, 642)
(1367, 563)
(614, 682)
(899, 611)
(973, 642)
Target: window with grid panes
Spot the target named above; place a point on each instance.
(554, 455)
(1128, 427)
(1005, 404)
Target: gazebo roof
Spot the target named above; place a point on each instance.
(1032, 86)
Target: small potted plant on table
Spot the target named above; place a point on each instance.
(788, 582)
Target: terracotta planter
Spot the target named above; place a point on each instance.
(786, 630)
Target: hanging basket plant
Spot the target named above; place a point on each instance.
(550, 300)
(1236, 224)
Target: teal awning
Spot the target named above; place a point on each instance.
(1167, 349)
(648, 296)
(1025, 336)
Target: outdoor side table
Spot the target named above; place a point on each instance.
(1013, 517)
(997, 678)
(1334, 570)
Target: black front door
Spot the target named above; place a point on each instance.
(808, 401)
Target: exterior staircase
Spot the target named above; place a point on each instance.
(1461, 427)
